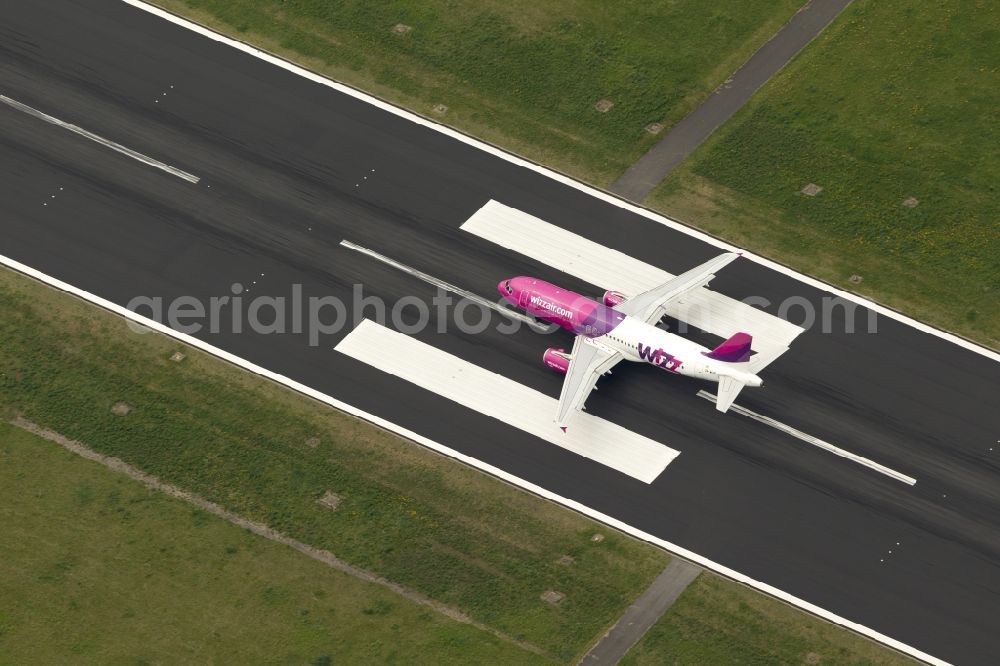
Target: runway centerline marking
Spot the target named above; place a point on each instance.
(504, 399)
(815, 441)
(447, 286)
(117, 147)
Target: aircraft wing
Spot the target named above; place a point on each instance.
(650, 305)
(587, 363)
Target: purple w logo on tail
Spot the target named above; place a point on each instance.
(734, 350)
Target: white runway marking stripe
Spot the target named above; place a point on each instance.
(506, 400)
(447, 286)
(815, 441)
(610, 269)
(13, 103)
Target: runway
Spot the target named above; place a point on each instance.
(289, 168)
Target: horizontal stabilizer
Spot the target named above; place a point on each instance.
(729, 388)
(761, 360)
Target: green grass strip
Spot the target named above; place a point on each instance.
(96, 569)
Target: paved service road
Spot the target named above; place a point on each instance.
(640, 179)
(288, 168)
(643, 613)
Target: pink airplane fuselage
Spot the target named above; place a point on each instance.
(633, 338)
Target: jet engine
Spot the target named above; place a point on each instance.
(557, 359)
(613, 298)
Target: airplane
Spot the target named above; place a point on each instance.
(624, 328)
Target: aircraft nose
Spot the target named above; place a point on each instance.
(506, 288)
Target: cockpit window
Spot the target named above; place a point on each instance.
(506, 287)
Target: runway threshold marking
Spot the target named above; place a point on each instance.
(815, 441)
(24, 108)
(447, 286)
(499, 397)
(604, 267)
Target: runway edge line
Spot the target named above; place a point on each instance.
(468, 460)
(556, 176)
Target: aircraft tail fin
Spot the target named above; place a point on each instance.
(734, 350)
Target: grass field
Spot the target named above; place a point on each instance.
(416, 518)
(95, 569)
(717, 622)
(522, 74)
(894, 100)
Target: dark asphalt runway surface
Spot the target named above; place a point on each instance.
(278, 155)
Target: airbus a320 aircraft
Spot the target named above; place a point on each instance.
(624, 328)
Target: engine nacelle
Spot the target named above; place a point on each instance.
(613, 298)
(557, 359)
